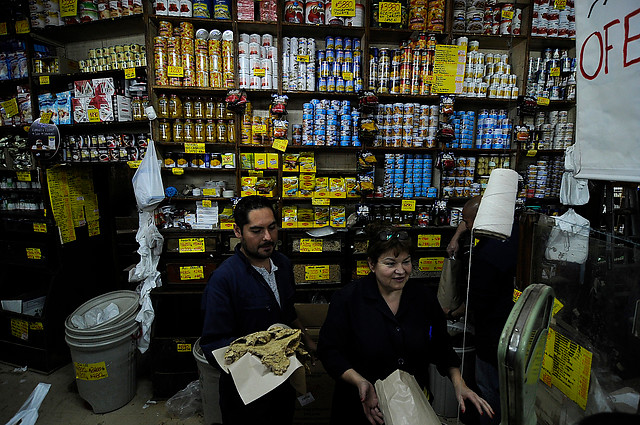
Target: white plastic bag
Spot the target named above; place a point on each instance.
(569, 239)
(147, 181)
(573, 191)
(28, 413)
(403, 402)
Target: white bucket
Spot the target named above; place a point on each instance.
(127, 302)
(209, 378)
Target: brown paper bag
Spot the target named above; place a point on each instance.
(448, 293)
(403, 402)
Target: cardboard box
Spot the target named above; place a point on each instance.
(34, 307)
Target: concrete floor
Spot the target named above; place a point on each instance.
(63, 404)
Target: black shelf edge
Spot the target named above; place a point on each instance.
(95, 30)
(100, 125)
(191, 90)
(190, 234)
(206, 22)
(225, 146)
(198, 170)
(14, 81)
(303, 148)
(540, 43)
(396, 97)
(86, 75)
(320, 31)
(257, 26)
(196, 198)
(295, 95)
(391, 35)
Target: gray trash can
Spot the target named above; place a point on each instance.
(209, 379)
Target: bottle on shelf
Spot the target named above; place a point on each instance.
(163, 106)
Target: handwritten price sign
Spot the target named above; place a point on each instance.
(194, 148)
(343, 8)
(408, 205)
(175, 71)
(188, 245)
(94, 115)
(280, 144)
(68, 8)
(129, 73)
(390, 12)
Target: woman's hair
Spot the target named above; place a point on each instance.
(383, 238)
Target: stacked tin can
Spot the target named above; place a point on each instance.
(488, 75)
(553, 75)
(460, 181)
(330, 19)
(494, 130)
(113, 57)
(339, 65)
(464, 124)
(406, 125)
(544, 177)
(408, 175)
(556, 130)
(426, 15)
(258, 62)
(298, 64)
(547, 21)
(328, 123)
(486, 17)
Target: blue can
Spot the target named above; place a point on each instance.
(320, 55)
(348, 43)
(330, 55)
(325, 69)
(336, 69)
(348, 56)
(322, 84)
(339, 44)
(329, 42)
(356, 45)
(339, 56)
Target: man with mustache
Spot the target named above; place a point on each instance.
(247, 293)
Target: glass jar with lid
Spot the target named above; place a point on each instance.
(210, 109)
(210, 132)
(163, 106)
(187, 108)
(164, 131)
(175, 107)
(199, 135)
(198, 108)
(178, 131)
(221, 131)
(189, 131)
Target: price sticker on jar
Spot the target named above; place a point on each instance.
(390, 12)
(23, 176)
(560, 4)
(280, 144)
(259, 72)
(175, 71)
(94, 115)
(40, 227)
(507, 14)
(429, 241)
(362, 268)
(259, 129)
(44, 80)
(206, 203)
(194, 148)
(543, 101)
(129, 73)
(190, 245)
(191, 273)
(303, 58)
(310, 245)
(555, 71)
(345, 8)
(408, 205)
(430, 264)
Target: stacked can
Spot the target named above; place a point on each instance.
(299, 64)
(258, 62)
(556, 130)
(494, 130)
(329, 123)
(426, 16)
(544, 177)
(460, 182)
(547, 21)
(488, 75)
(489, 18)
(408, 175)
(464, 123)
(406, 125)
(339, 65)
(552, 76)
(114, 57)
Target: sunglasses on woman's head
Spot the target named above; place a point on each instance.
(385, 235)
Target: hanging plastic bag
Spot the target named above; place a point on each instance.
(448, 293)
(569, 239)
(147, 181)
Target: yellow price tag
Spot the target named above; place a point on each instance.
(303, 58)
(343, 8)
(10, 107)
(226, 226)
(189, 245)
(134, 164)
(45, 118)
(22, 27)
(206, 203)
(208, 192)
(194, 148)
(129, 73)
(507, 14)
(3, 28)
(177, 171)
(316, 273)
(408, 205)
(183, 348)
(560, 4)
(362, 268)
(557, 306)
(320, 201)
(516, 294)
(94, 115)
(310, 245)
(40, 227)
(191, 273)
(555, 71)
(68, 8)
(259, 129)
(429, 79)
(23, 176)
(34, 253)
(20, 329)
(430, 264)
(429, 241)
(44, 80)
(543, 101)
(280, 144)
(347, 76)
(390, 12)
(259, 72)
(175, 71)
(36, 326)
(91, 371)
(532, 152)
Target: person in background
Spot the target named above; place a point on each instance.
(381, 323)
(247, 293)
(493, 271)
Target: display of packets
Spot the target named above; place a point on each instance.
(327, 123)
(553, 75)
(258, 61)
(339, 66)
(407, 125)
(408, 175)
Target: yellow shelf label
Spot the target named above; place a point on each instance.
(347, 76)
(390, 12)
(345, 8)
(430, 264)
(543, 101)
(23, 176)
(507, 14)
(429, 241)
(44, 80)
(3, 28)
(280, 144)
(45, 118)
(177, 171)
(194, 148)
(94, 115)
(206, 203)
(560, 4)
(191, 272)
(516, 294)
(40, 227)
(310, 245)
(259, 129)
(208, 192)
(20, 329)
(303, 58)
(532, 152)
(183, 348)
(557, 306)
(91, 371)
(129, 73)
(259, 72)
(134, 164)
(22, 27)
(34, 253)
(189, 245)
(36, 326)
(321, 201)
(10, 107)
(68, 8)
(226, 226)
(555, 71)
(362, 268)
(175, 71)
(316, 273)
(408, 205)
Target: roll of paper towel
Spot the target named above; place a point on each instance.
(495, 213)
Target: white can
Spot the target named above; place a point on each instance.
(245, 38)
(243, 48)
(255, 38)
(255, 82)
(267, 40)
